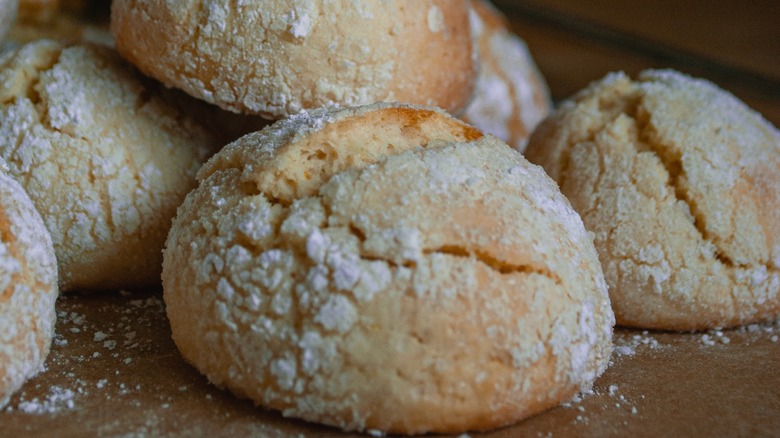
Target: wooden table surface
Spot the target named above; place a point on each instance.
(114, 371)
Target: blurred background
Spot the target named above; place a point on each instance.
(735, 44)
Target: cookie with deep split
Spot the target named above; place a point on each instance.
(386, 268)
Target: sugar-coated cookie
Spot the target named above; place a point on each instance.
(105, 161)
(28, 288)
(511, 95)
(385, 268)
(680, 182)
(277, 57)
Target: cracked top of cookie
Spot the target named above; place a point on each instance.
(722, 158)
(28, 287)
(680, 182)
(104, 158)
(385, 267)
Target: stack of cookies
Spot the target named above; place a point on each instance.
(335, 197)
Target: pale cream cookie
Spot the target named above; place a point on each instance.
(385, 268)
(680, 183)
(28, 288)
(277, 57)
(511, 95)
(105, 161)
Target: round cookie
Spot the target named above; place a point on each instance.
(511, 96)
(28, 288)
(8, 12)
(680, 182)
(385, 268)
(105, 161)
(277, 57)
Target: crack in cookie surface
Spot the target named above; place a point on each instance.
(103, 161)
(645, 173)
(351, 292)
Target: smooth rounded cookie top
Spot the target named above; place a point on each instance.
(385, 267)
(277, 57)
(28, 288)
(105, 161)
(680, 182)
(511, 96)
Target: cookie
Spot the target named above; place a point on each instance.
(511, 96)
(385, 268)
(28, 288)
(680, 182)
(105, 161)
(277, 57)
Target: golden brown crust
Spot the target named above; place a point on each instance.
(28, 288)
(299, 158)
(429, 280)
(104, 159)
(511, 96)
(306, 53)
(680, 182)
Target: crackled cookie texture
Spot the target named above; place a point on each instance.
(277, 57)
(385, 268)
(680, 182)
(28, 288)
(105, 161)
(511, 96)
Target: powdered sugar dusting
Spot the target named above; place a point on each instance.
(511, 96)
(435, 19)
(103, 164)
(57, 399)
(627, 346)
(300, 23)
(28, 288)
(362, 242)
